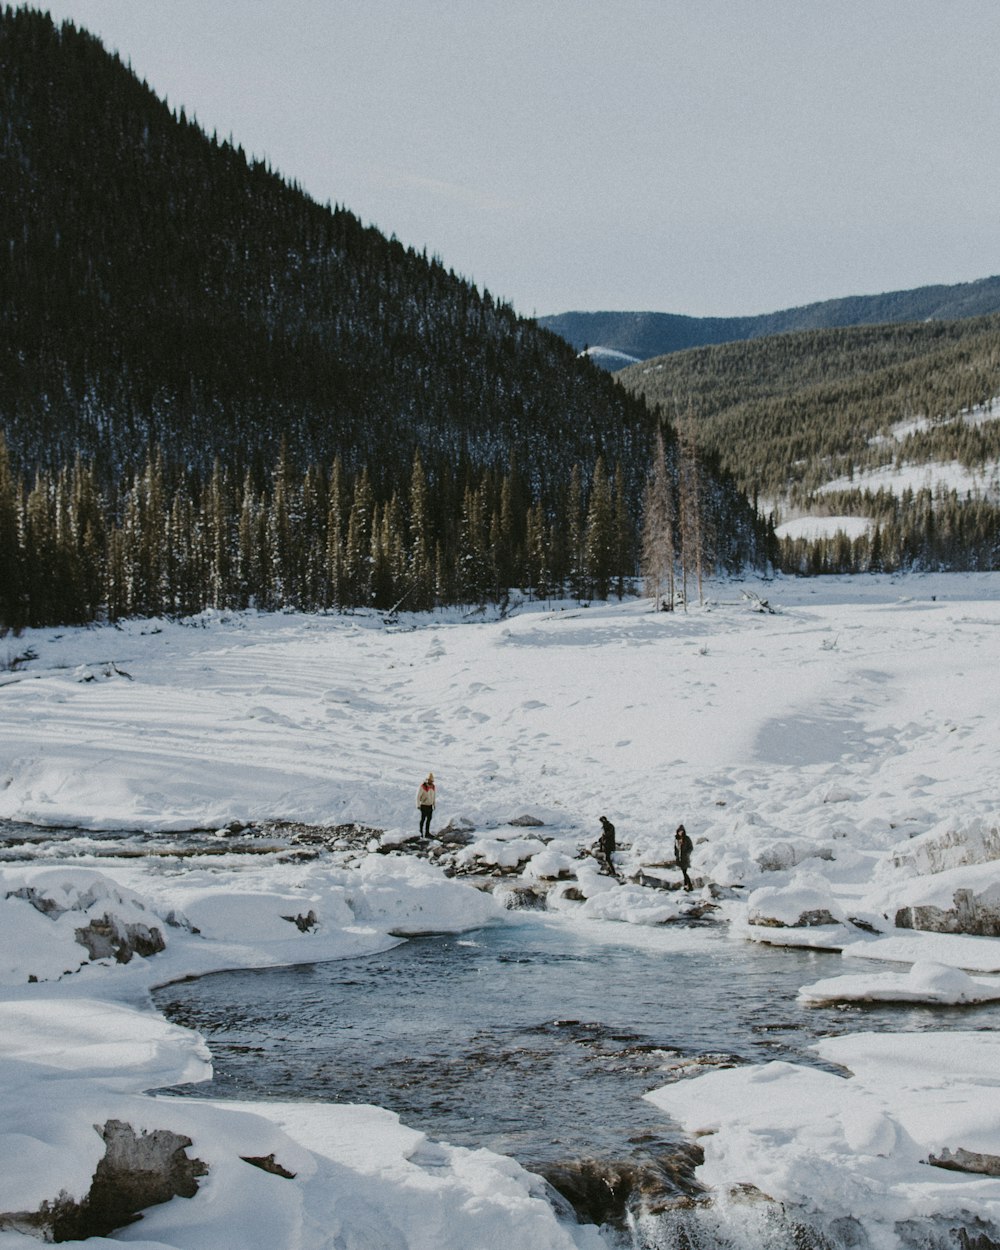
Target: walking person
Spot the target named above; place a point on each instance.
(426, 802)
(606, 845)
(682, 854)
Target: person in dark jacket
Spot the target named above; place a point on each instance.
(606, 845)
(682, 854)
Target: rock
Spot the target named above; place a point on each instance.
(304, 924)
(805, 903)
(969, 914)
(608, 1191)
(942, 849)
(41, 902)
(138, 1170)
(573, 894)
(526, 822)
(521, 897)
(782, 855)
(267, 1163)
(458, 824)
(961, 1160)
(110, 937)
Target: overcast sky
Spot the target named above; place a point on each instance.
(709, 157)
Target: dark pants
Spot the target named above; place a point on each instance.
(425, 820)
(687, 879)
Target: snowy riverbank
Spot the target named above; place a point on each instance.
(833, 760)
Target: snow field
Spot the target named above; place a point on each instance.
(838, 757)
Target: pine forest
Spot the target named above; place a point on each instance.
(801, 420)
(215, 391)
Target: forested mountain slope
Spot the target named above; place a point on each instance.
(215, 390)
(899, 424)
(617, 338)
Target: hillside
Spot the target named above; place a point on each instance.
(616, 339)
(215, 376)
(896, 425)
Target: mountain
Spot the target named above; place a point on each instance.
(215, 391)
(615, 340)
(893, 426)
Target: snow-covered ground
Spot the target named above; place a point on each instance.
(834, 761)
(896, 479)
(811, 527)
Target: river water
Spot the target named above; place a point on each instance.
(536, 1038)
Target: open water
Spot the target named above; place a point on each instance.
(536, 1039)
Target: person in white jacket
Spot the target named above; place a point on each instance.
(426, 802)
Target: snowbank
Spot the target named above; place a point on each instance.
(857, 1150)
(833, 759)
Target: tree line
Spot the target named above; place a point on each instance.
(916, 531)
(174, 543)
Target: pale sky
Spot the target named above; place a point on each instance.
(708, 157)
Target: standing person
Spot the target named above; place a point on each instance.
(682, 854)
(426, 802)
(606, 844)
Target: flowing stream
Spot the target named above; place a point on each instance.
(535, 1038)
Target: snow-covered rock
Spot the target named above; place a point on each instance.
(955, 900)
(53, 921)
(805, 902)
(949, 845)
(926, 982)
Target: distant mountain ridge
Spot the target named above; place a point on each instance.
(617, 339)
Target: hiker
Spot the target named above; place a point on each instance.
(606, 844)
(426, 802)
(682, 854)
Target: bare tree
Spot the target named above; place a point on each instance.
(658, 551)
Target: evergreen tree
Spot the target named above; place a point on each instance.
(357, 554)
(599, 542)
(335, 575)
(421, 564)
(13, 591)
(575, 560)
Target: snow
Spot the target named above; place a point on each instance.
(610, 357)
(932, 476)
(812, 527)
(841, 1145)
(834, 763)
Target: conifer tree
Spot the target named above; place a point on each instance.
(248, 573)
(357, 554)
(335, 536)
(312, 541)
(217, 545)
(624, 541)
(12, 587)
(88, 528)
(599, 537)
(574, 530)
(421, 564)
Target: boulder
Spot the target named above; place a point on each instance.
(950, 846)
(804, 903)
(109, 937)
(957, 900)
(138, 1170)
